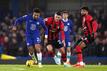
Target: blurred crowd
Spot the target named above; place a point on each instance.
(13, 43)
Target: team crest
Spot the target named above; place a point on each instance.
(38, 23)
(68, 24)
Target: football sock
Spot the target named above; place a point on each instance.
(39, 56)
(68, 56)
(79, 54)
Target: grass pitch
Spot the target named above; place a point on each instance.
(52, 68)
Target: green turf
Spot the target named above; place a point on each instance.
(52, 68)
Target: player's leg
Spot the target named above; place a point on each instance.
(78, 50)
(68, 54)
(32, 53)
(37, 43)
(63, 54)
(39, 54)
(31, 49)
(62, 51)
(52, 53)
(57, 57)
(50, 50)
(68, 47)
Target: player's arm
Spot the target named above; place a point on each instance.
(46, 31)
(95, 26)
(18, 21)
(45, 28)
(48, 21)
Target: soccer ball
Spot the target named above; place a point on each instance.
(29, 63)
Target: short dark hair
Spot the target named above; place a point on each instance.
(85, 8)
(37, 10)
(58, 13)
(65, 11)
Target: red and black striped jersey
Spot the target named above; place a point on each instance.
(89, 25)
(54, 28)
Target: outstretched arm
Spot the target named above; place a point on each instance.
(20, 20)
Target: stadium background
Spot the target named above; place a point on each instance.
(14, 43)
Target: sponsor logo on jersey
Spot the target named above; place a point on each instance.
(66, 28)
(33, 27)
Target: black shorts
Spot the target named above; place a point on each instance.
(86, 39)
(55, 43)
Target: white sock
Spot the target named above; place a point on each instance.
(58, 55)
(68, 56)
(39, 56)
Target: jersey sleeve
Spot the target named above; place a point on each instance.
(48, 21)
(95, 26)
(93, 22)
(45, 28)
(20, 20)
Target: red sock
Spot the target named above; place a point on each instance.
(51, 53)
(79, 53)
(63, 57)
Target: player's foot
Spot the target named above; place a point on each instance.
(29, 63)
(79, 65)
(40, 65)
(35, 61)
(67, 64)
(57, 60)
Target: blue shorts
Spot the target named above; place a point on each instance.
(68, 43)
(32, 40)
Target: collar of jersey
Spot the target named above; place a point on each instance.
(65, 20)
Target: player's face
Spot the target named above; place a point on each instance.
(65, 15)
(36, 15)
(84, 12)
(57, 17)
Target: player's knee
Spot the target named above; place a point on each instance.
(82, 45)
(68, 49)
(38, 48)
(31, 49)
(49, 47)
(78, 49)
(62, 50)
